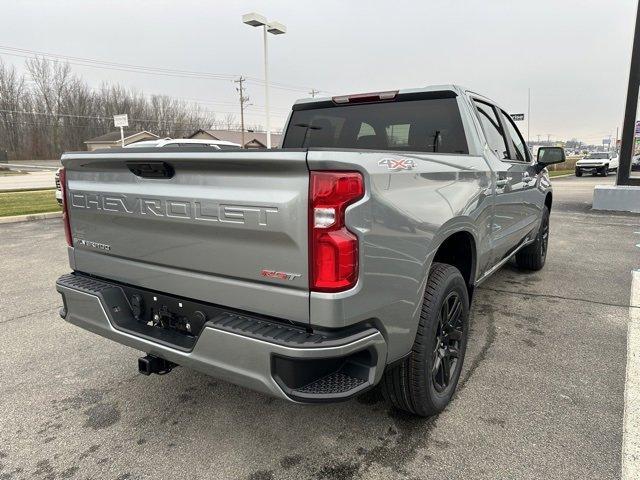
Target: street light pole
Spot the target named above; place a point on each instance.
(266, 85)
(528, 116)
(276, 28)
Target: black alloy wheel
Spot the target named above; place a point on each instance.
(534, 256)
(447, 342)
(544, 236)
(424, 381)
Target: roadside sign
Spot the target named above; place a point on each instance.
(517, 117)
(606, 141)
(121, 120)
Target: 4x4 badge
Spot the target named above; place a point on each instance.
(397, 164)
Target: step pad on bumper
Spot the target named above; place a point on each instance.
(335, 383)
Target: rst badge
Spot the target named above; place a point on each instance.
(279, 275)
(397, 164)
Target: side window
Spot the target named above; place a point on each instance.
(519, 145)
(398, 135)
(365, 130)
(492, 129)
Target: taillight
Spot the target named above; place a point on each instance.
(333, 249)
(65, 209)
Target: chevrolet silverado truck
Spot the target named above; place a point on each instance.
(346, 259)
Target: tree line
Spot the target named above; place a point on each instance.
(48, 110)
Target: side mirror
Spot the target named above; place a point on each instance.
(548, 156)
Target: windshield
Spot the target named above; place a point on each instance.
(599, 156)
(431, 125)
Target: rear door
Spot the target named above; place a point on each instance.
(224, 227)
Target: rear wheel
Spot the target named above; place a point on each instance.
(424, 382)
(533, 257)
(578, 172)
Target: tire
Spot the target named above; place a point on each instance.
(533, 257)
(605, 171)
(578, 172)
(419, 384)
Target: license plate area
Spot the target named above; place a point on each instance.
(165, 312)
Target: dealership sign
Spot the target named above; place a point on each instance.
(517, 117)
(121, 121)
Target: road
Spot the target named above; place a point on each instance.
(28, 181)
(541, 394)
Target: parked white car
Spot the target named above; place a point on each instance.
(597, 162)
(143, 144)
(185, 142)
(58, 189)
(197, 142)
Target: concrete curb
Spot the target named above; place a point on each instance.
(30, 218)
(561, 176)
(631, 415)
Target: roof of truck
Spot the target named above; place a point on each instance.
(457, 89)
(430, 88)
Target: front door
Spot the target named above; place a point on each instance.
(514, 175)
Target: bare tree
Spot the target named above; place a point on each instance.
(230, 121)
(12, 92)
(50, 110)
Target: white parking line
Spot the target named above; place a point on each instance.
(631, 428)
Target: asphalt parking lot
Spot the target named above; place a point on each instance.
(541, 394)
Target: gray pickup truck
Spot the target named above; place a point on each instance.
(346, 259)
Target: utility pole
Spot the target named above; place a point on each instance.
(243, 100)
(528, 115)
(313, 92)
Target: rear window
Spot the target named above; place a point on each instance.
(431, 125)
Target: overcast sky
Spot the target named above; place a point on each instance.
(574, 55)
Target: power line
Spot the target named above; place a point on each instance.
(234, 126)
(90, 117)
(150, 70)
(217, 102)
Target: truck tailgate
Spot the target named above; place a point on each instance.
(228, 228)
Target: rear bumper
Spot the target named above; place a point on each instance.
(261, 354)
